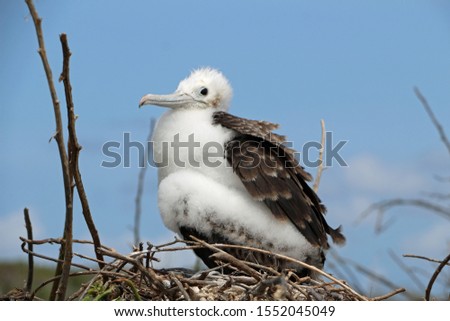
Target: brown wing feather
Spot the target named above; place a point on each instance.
(271, 174)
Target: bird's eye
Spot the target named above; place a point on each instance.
(204, 91)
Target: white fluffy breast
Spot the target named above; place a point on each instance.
(191, 199)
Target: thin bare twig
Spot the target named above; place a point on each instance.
(423, 258)
(49, 258)
(406, 269)
(383, 206)
(141, 180)
(29, 228)
(149, 273)
(74, 148)
(370, 274)
(320, 168)
(58, 290)
(388, 295)
(433, 118)
(344, 269)
(180, 286)
(434, 277)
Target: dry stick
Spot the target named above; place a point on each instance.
(320, 168)
(383, 206)
(423, 258)
(430, 113)
(149, 273)
(388, 295)
(29, 228)
(85, 257)
(239, 264)
(344, 269)
(140, 189)
(48, 258)
(57, 241)
(180, 286)
(221, 255)
(74, 149)
(434, 277)
(376, 277)
(406, 269)
(58, 290)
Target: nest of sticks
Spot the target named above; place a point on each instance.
(132, 277)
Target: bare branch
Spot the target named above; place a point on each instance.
(434, 277)
(58, 290)
(180, 286)
(74, 149)
(407, 269)
(320, 168)
(423, 258)
(383, 206)
(47, 257)
(29, 228)
(378, 278)
(149, 273)
(388, 295)
(433, 118)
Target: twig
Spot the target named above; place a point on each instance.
(180, 286)
(388, 295)
(407, 269)
(372, 275)
(74, 148)
(59, 288)
(52, 240)
(344, 269)
(149, 273)
(49, 258)
(383, 206)
(320, 168)
(140, 188)
(434, 277)
(223, 256)
(239, 264)
(105, 264)
(433, 118)
(29, 228)
(423, 258)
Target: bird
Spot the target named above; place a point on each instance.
(232, 180)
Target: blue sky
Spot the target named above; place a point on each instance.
(350, 63)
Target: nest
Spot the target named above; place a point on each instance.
(132, 277)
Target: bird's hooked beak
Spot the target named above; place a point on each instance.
(175, 100)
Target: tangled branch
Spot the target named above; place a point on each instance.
(129, 277)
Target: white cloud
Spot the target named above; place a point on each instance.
(435, 242)
(367, 173)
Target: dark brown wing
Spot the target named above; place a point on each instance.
(271, 174)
